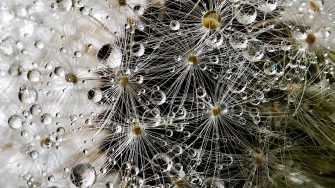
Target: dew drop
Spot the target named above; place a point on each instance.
(137, 49)
(27, 95)
(83, 175)
(245, 14)
(15, 122)
(174, 25)
(34, 75)
(94, 95)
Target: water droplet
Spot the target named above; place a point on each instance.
(238, 40)
(213, 182)
(104, 52)
(201, 92)
(137, 49)
(163, 161)
(254, 51)
(27, 95)
(83, 175)
(94, 95)
(46, 119)
(39, 44)
(15, 122)
(77, 54)
(158, 97)
(174, 25)
(267, 5)
(59, 71)
(245, 14)
(34, 75)
(51, 178)
(34, 154)
(35, 109)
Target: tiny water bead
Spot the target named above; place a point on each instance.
(138, 49)
(211, 20)
(15, 122)
(83, 175)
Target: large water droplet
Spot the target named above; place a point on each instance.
(158, 97)
(245, 14)
(163, 161)
(94, 95)
(174, 25)
(27, 95)
(34, 75)
(213, 182)
(83, 175)
(15, 122)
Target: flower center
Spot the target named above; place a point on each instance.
(123, 81)
(216, 111)
(136, 129)
(72, 78)
(211, 20)
(192, 59)
(311, 38)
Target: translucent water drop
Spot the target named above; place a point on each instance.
(65, 4)
(15, 122)
(163, 161)
(213, 182)
(104, 52)
(77, 53)
(238, 40)
(15, 70)
(35, 109)
(158, 97)
(215, 40)
(59, 71)
(245, 14)
(83, 175)
(34, 154)
(201, 92)
(34, 75)
(267, 5)
(270, 68)
(39, 44)
(254, 51)
(94, 95)
(51, 178)
(137, 49)
(46, 119)
(116, 61)
(27, 95)
(139, 10)
(174, 25)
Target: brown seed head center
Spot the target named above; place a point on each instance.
(137, 129)
(72, 78)
(216, 111)
(122, 2)
(311, 38)
(123, 81)
(211, 20)
(192, 59)
(180, 182)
